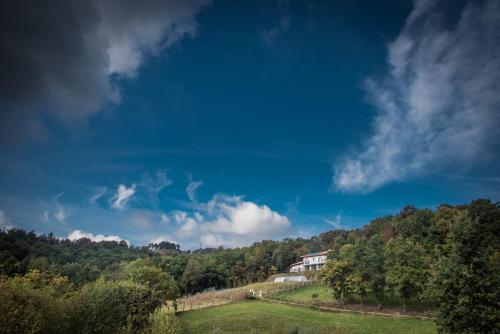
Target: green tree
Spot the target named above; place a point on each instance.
(468, 282)
(141, 271)
(407, 268)
(337, 275)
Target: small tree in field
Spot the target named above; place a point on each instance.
(337, 275)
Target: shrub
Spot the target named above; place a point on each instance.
(27, 309)
(106, 307)
(163, 322)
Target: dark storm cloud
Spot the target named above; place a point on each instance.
(60, 60)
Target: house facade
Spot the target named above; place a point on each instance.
(297, 267)
(311, 261)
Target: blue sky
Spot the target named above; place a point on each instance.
(223, 123)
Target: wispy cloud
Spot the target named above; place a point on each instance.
(438, 105)
(60, 213)
(269, 36)
(98, 194)
(337, 222)
(192, 187)
(45, 217)
(54, 208)
(154, 184)
(164, 219)
(122, 196)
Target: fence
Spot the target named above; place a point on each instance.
(219, 297)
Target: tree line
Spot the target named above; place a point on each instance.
(449, 257)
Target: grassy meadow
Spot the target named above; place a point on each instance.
(264, 317)
(316, 294)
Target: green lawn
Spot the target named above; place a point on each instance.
(325, 298)
(304, 295)
(252, 317)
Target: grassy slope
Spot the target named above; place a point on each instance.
(325, 297)
(266, 317)
(304, 295)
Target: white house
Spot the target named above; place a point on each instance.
(297, 267)
(311, 261)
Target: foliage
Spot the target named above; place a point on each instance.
(337, 275)
(407, 266)
(449, 257)
(469, 280)
(163, 322)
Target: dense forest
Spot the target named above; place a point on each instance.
(449, 258)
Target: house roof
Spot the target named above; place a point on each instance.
(296, 263)
(315, 254)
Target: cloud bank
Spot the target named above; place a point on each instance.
(439, 106)
(64, 59)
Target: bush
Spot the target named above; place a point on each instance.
(106, 307)
(163, 322)
(27, 309)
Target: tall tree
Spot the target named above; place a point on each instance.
(407, 267)
(469, 278)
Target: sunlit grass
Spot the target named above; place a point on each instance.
(263, 317)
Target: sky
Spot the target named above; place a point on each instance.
(222, 123)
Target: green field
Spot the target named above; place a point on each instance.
(264, 317)
(324, 297)
(304, 295)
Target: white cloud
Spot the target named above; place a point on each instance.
(98, 194)
(230, 221)
(191, 189)
(161, 238)
(78, 234)
(438, 106)
(122, 196)
(269, 36)
(337, 222)
(143, 30)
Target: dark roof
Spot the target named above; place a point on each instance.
(315, 254)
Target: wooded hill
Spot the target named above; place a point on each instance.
(449, 257)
